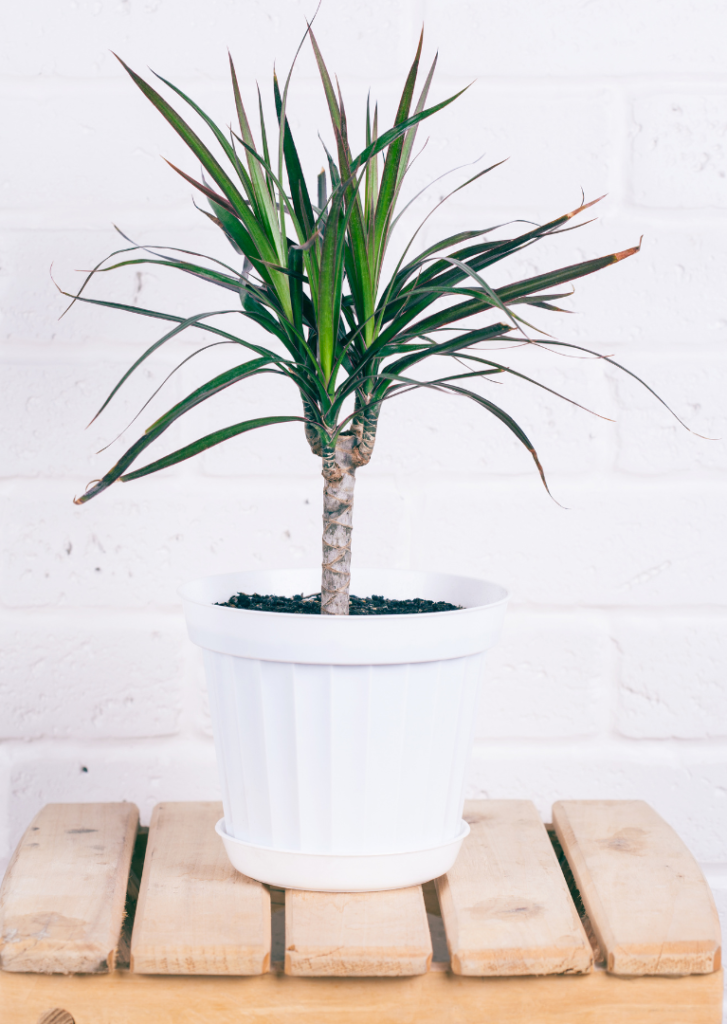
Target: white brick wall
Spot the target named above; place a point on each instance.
(612, 676)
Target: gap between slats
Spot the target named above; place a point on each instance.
(123, 953)
(599, 958)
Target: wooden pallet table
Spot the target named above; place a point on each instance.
(606, 919)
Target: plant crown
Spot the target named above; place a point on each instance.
(310, 274)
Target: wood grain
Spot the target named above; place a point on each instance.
(196, 914)
(62, 899)
(646, 897)
(357, 934)
(505, 904)
(434, 998)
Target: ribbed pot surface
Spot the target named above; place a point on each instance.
(343, 758)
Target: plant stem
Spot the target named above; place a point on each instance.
(339, 469)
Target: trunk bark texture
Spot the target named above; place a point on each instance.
(339, 474)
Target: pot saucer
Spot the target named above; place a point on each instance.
(341, 872)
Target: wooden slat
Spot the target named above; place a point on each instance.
(196, 914)
(505, 904)
(62, 900)
(357, 934)
(647, 899)
(433, 998)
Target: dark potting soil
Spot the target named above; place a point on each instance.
(311, 604)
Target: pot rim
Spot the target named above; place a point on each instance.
(185, 595)
(345, 639)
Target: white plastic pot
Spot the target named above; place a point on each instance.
(342, 742)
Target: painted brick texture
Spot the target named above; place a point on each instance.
(611, 680)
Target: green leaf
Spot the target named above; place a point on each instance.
(204, 273)
(390, 175)
(398, 130)
(265, 206)
(296, 179)
(189, 322)
(330, 286)
(490, 294)
(556, 277)
(451, 347)
(488, 253)
(509, 422)
(496, 411)
(199, 395)
(411, 135)
(170, 317)
(208, 441)
(619, 366)
(499, 368)
(213, 196)
(219, 135)
(208, 161)
(327, 84)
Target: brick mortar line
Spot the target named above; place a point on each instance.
(19, 353)
(673, 480)
(623, 211)
(42, 86)
(167, 614)
(600, 746)
(585, 748)
(632, 215)
(580, 482)
(81, 746)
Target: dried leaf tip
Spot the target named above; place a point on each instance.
(584, 206)
(84, 497)
(628, 252)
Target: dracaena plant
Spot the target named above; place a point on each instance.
(309, 271)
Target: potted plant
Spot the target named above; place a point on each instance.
(342, 737)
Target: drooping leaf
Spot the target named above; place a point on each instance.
(199, 395)
(208, 441)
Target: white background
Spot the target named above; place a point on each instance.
(610, 681)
